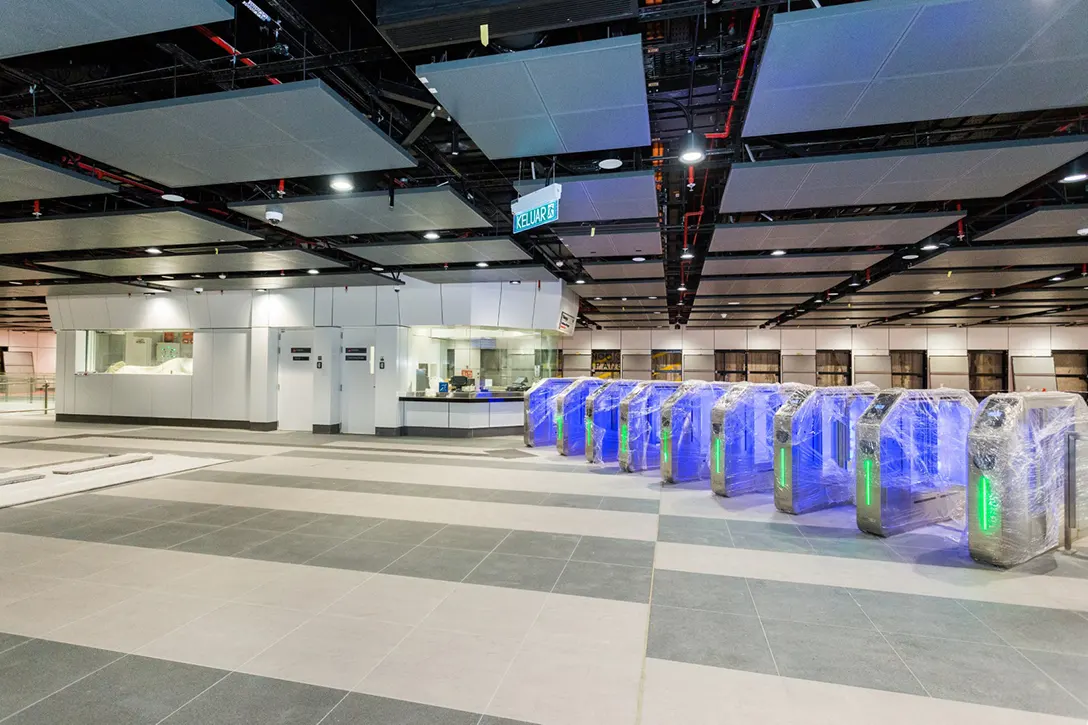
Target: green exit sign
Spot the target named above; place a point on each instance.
(536, 209)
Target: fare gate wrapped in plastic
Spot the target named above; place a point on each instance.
(685, 430)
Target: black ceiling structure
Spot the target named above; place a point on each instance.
(832, 193)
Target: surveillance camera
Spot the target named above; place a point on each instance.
(273, 215)
(198, 290)
(397, 290)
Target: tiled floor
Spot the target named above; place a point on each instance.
(343, 580)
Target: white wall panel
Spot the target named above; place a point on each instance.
(171, 396)
(947, 340)
(354, 306)
(263, 370)
(291, 308)
(1069, 338)
(764, 339)
(323, 306)
(549, 302)
(698, 339)
(326, 364)
(45, 360)
(606, 340)
(22, 339)
(394, 378)
(56, 317)
(130, 395)
(517, 305)
(261, 310)
(872, 339)
(581, 340)
(47, 339)
(987, 337)
(200, 317)
(93, 394)
(420, 304)
(1029, 341)
(832, 338)
(90, 313)
(666, 339)
(203, 375)
(908, 338)
(635, 340)
(230, 375)
(65, 392)
(485, 303)
(127, 313)
(730, 339)
(456, 304)
(799, 340)
(230, 309)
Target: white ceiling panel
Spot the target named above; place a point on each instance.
(491, 274)
(956, 281)
(113, 230)
(207, 264)
(23, 178)
(8, 274)
(267, 132)
(640, 303)
(792, 263)
(602, 197)
(306, 281)
(705, 299)
(586, 244)
(869, 300)
(413, 210)
(1009, 256)
(882, 231)
(867, 64)
(1042, 223)
(555, 100)
(71, 290)
(459, 251)
(621, 289)
(628, 270)
(772, 285)
(967, 171)
(1057, 292)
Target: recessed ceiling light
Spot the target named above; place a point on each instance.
(682, 288)
(855, 283)
(930, 248)
(732, 303)
(579, 281)
(1057, 278)
(833, 294)
(481, 265)
(198, 276)
(976, 298)
(17, 284)
(259, 289)
(341, 184)
(166, 276)
(623, 299)
(936, 291)
(176, 198)
(609, 164)
(910, 256)
(687, 254)
(1083, 232)
(638, 259)
(515, 281)
(377, 269)
(312, 271)
(153, 250)
(431, 235)
(651, 298)
(778, 253)
(596, 299)
(222, 275)
(994, 307)
(657, 312)
(1074, 178)
(819, 302)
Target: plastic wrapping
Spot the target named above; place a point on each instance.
(540, 411)
(685, 430)
(640, 425)
(603, 421)
(814, 447)
(1022, 452)
(742, 437)
(570, 415)
(912, 459)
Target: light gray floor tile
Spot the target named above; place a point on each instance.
(342, 527)
(709, 638)
(429, 562)
(702, 591)
(475, 538)
(489, 720)
(280, 520)
(765, 528)
(983, 674)
(361, 555)
(107, 529)
(807, 603)
(925, 616)
(532, 543)
(291, 548)
(633, 505)
(1069, 671)
(249, 699)
(40, 668)
(401, 532)
(1053, 630)
(226, 542)
(605, 581)
(359, 709)
(838, 654)
(614, 551)
(694, 530)
(225, 515)
(517, 572)
(773, 542)
(165, 536)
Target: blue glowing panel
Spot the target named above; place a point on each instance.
(570, 416)
(742, 447)
(640, 425)
(685, 431)
(603, 421)
(540, 403)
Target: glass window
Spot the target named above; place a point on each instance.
(135, 352)
(832, 367)
(1071, 371)
(987, 372)
(482, 358)
(666, 364)
(908, 368)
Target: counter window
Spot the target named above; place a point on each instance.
(134, 352)
(476, 358)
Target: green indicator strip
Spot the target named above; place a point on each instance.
(559, 425)
(665, 443)
(624, 442)
(987, 510)
(589, 432)
(717, 455)
(868, 465)
(781, 467)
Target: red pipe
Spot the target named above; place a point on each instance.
(740, 71)
(959, 224)
(233, 51)
(116, 177)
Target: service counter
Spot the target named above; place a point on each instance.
(461, 415)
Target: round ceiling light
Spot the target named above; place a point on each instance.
(778, 253)
(651, 298)
(833, 294)
(1057, 278)
(431, 235)
(579, 281)
(638, 259)
(609, 164)
(1083, 232)
(732, 303)
(930, 247)
(260, 289)
(341, 183)
(855, 283)
(682, 288)
(936, 291)
(910, 256)
(481, 265)
(377, 269)
(687, 254)
(1074, 178)
(994, 307)
(170, 196)
(312, 271)
(515, 281)
(623, 299)
(596, 299)
(694, 149)
(153, 250)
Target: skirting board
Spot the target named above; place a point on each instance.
(423, 432)
(181, 422)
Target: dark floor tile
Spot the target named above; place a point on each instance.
(281, 521)
(361, 555)
(343, 527)
(1051, 630)
(39, 668)
(810, 603)
(132, 691)
(739, 527)
(924, 616)
(175, 510)
(631, 505)
(249, 699)
(225, 515)
(107, 529)
(53, 525)
(491, 720)
(20, 515)
(1056, 563)
(531, 498)
(1069, 671)
(533, 543)
(401, 532)
(165, 536)
(835, 533)
(694, 530)
(124, 505)
(429, 562)
(615, 551)
(572, 500)
(517, 572)
(605, 581)
(872, 549)
(475, 538)
(359, 709)
(7, 641)
(709, 638)
(840, 655)
(702, 591)
(291, 548)
(983, 674)
(226, 542)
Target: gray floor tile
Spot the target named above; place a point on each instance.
(107, 529)
(532, 543)
(490, 720)
(709, 638)
(249, 699)
(572, 500)
(281, 521)
(871, 549)
(291, 548)
(952, 557)
(835, 533)
(1052, 630)
(531, 498)
(925, 616)
(614, 551)
(165, 536)
(132, 691)
(702, 591)
(632, 505)
(694, 530)
(175, 510)
(983, 674)
(475, 538)
(765, 528)
(123, 505)
(225, 515)
(517, 572)
(838, 654)
(428, 562)
(773, 542)
(21, 515)
(343, 527)
(361, 555)
(226, 542)
(807, 603)
(39, 668)
(401, 532)
(359, 709)
(1069, 671)
(605, 581)
(7, 641)
(52, 525)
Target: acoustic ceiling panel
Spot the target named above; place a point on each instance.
(823, 233)
(630, 270)
(32, 26)
(206, 264)
(869, 64)
(847, 313)
(8, 274)
(1053, 293)
(23, 179)
(556, 100)
(492, 274)
(413, 210)
(791, 264)
(306, 281)
(114, 230)
(956, 281)
(603, 197)
(70, 290)
(883, 298)
(642, 303)
(968, 171)
(1019, 255)
(489, 249)
(708, 300)
(979, 312)
(1042, 223)
(621, 289)
(267, 132)
(782, 284)
(19, 305)
(586, 244)
(1073, 282)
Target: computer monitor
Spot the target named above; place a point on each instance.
(457, 382)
